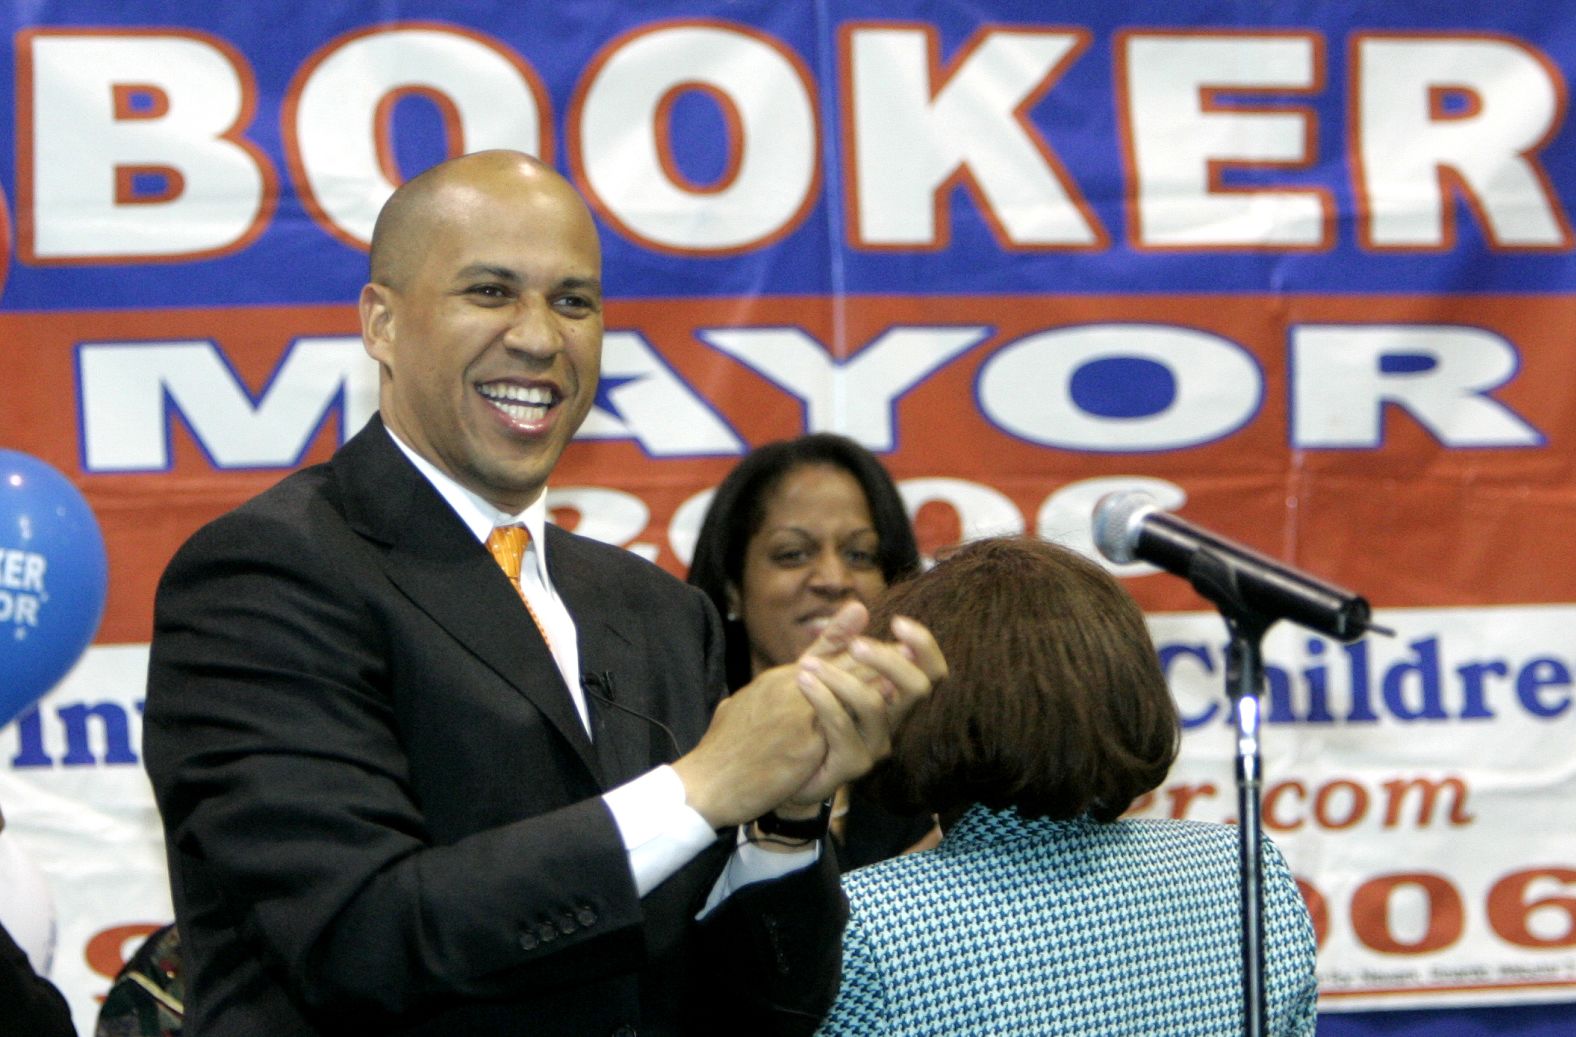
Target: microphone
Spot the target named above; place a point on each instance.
(600, 687)
(1129, 526)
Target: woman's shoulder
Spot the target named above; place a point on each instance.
(983, 839)
(981, 826)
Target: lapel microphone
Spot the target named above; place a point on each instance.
(600, 687)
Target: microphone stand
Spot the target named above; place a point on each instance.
(1211, 577)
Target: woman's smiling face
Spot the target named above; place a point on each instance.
(816, 548)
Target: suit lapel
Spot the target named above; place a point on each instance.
(434, 560)
(608, 656)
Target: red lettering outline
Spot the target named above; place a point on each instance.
(940, 75)
(268, 199)
(574, 117)
(1451, 184)
(1212, 100)
(291, 144)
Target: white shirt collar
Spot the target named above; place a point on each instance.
(479, 514)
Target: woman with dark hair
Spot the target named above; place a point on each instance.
(795, 530)
(1042, 911)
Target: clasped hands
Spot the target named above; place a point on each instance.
(790, 737)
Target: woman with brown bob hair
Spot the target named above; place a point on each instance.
(1042, 911)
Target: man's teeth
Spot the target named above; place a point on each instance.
(521, 403)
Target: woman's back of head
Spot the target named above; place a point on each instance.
(1055, 703)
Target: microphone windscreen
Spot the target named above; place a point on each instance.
(1118, 522)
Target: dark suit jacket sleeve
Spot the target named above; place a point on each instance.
(767, 960)
(298, 706)
(860, 1009)
(29, 1004)
(289, 807)
(777, 948)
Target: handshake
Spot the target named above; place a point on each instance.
(787, 740)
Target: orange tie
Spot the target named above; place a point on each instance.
(507, 544)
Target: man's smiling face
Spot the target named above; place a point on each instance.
(490, 336)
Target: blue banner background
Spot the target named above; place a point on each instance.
(296, 261)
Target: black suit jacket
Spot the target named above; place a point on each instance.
(29, 1003)
(382, 811)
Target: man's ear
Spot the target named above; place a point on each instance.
(377, 323)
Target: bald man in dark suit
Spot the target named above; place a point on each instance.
(408, 791)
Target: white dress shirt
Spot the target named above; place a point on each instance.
(661, 832)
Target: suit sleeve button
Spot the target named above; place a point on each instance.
(528, 941)
(566, 924)
(546, 932)
(585, 916)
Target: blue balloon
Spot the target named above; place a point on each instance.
(53, 575)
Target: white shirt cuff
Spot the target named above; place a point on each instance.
(661, 832)
(750, 863)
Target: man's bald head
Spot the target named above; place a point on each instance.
(484, 314)
(417, 205)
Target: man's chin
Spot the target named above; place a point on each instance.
(510, 488)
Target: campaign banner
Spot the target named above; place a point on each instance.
(1417, 785)
(1305, 274)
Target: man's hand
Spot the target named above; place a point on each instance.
(764, 742)
(791, 736)
(861, 690)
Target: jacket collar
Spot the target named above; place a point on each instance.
(436, 562)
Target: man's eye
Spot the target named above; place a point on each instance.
(488, 291)
(576, 303)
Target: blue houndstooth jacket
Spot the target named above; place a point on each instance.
(1022, 928)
